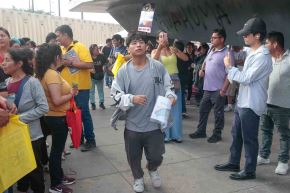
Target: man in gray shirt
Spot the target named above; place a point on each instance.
(278, 105)
(135, 89)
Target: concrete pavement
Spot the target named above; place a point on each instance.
(187, 167)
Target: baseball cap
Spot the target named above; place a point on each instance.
(253, 25)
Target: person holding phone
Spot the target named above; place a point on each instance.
(168, 57)
(215, 86)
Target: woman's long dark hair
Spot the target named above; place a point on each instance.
(92, 47)
(46, 55)
(5, 31)
(25, 56)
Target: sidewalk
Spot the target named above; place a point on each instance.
(187, 167)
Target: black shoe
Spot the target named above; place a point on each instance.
(242, 175)
(177, 140)
(214, 138)
(93, 106)
(88, 146)
(227, 167)
(197, 135)
(102, 106)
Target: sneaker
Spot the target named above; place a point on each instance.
(68, 181)
(214, 138)
(60, 189)
(197, 134)
(229, 108)
(88, 146)
(262, 161)
(138, 185)
(282, 168)
(93, 106)
(155, 179)
(102, 106)
(185, 115)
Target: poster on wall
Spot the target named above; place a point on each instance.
(146, 18)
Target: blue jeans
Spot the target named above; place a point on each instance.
(245, 132)
(108, 79)
(175, 132)
(82, 101)
(100, 88)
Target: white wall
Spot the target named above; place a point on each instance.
(37, 26)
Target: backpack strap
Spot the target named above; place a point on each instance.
(19, 92)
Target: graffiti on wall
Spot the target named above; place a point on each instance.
(193, 15)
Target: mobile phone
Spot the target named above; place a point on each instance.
(165, 37)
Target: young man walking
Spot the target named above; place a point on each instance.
(136, 88)
(252, 99)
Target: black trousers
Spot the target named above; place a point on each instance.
(211, 99)
(35, 179)
(59, 131)
(153, 144)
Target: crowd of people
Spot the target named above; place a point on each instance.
(38, 82)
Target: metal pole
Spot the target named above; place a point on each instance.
(50, 7)
(82, 15)
(59, 8)
(32, 5)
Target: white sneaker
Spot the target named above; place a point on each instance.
(228, 108)
(155, 179)
(262, 161)
(282, 168)
(138, 185)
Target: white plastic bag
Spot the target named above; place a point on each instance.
(161, 111)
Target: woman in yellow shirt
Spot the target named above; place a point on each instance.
(168, 57)
(58, 93)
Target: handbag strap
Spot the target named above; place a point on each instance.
(73, 105)
(19, 92)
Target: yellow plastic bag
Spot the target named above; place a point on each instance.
(118, 64)
(16, 153)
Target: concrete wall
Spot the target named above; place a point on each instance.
(37, 26)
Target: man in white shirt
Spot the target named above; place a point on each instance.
(252, 99)
(278, 104)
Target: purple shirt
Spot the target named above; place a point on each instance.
(215, 71)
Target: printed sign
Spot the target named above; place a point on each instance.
(146, 18)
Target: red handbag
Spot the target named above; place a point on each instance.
(74, 123)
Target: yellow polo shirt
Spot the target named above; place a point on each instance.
(79, 76)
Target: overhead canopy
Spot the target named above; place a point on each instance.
(195, 20)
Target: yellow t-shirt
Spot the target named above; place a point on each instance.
(81, 77)
(53, 77)
(170, 64)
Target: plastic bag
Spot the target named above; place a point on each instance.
(16, 153)
(161, 111)
(118, 64)
(74, 123)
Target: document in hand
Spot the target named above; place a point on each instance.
(71, 54)
(161, 111)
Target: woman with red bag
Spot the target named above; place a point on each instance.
(58, 93)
